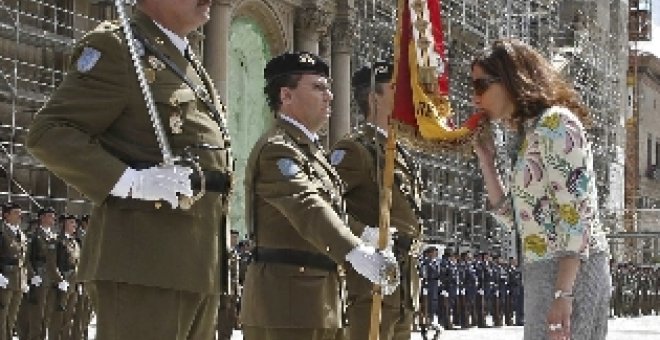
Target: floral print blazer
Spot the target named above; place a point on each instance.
(552, 196)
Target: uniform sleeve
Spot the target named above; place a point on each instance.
(64, 134)
(567, 160)
(299, 200)
(351, 161)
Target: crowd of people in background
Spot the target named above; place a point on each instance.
(635, 289)
(39, 295)
(459, 290)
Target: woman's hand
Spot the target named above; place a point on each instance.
(484, 148)
(559, 319)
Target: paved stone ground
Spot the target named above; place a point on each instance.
(642, 328)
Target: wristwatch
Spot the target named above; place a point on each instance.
(562, 294)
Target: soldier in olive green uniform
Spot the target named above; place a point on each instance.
(83, 312)
(356, 159)
(152, 268)
(294, 212)
(13, 273)
(43, 273)
(68, 256)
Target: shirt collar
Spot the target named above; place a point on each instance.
(312, 136)
(48, 231)
(13, 228)
(180, 43)
(378, 128)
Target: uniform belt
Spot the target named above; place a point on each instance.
(294, 257)
(216, 181)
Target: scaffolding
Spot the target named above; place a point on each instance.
(585, 39)
(36, 40)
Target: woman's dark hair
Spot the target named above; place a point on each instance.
(532, 82)
(272, 89)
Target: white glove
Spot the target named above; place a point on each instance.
(162, 183)
(25, 288)
(36, 281)
(379, 267)
(480, 291)
(370, 237)
(63, 286)
(3, 282)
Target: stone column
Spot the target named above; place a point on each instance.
(216, 45)
(313, 18)
(343, 33)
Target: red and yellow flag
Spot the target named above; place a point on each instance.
(422, 107)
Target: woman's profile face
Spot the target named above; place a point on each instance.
(490, 96)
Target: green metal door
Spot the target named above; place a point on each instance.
(249, 114)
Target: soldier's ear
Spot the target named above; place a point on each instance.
(285, 95)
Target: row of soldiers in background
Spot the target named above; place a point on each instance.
(635, 290)
(39, 296)
(463, 291)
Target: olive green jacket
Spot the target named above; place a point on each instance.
(292, 208)
(13, 252)
(354, 159)
(96, 125)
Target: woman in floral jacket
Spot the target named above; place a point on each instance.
(551, 197)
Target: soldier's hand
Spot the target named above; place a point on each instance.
(3, 282)
(378, 267)
(36, 281)
(63, 286)
(370, 237)
(25, 288)
(162, 183)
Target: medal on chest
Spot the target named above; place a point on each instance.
(176, 122)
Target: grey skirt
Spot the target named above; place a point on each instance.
(590, 305)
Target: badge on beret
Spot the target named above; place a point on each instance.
(337, 156)
(88, 59)
(307, 59)
(288, 167)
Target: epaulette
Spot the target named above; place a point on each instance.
(108, 26)
(279, 136)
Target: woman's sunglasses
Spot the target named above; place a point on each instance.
(481, 85)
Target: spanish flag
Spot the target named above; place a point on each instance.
(422, 107)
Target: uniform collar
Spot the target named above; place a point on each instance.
(313, 137)
(377, 128)
(181, 44)
(47, 231)
(13, 228)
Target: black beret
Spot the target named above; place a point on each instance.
(382, 74)
(46, 210)
(7, 207)
(70, 217)
(84, 217)
(233, 232)
(295, 63)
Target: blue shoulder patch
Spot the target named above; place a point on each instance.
(88, 59)
(337, 156)
(288, 167)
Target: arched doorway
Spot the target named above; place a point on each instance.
(250, 117)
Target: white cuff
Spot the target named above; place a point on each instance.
(123, 186)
